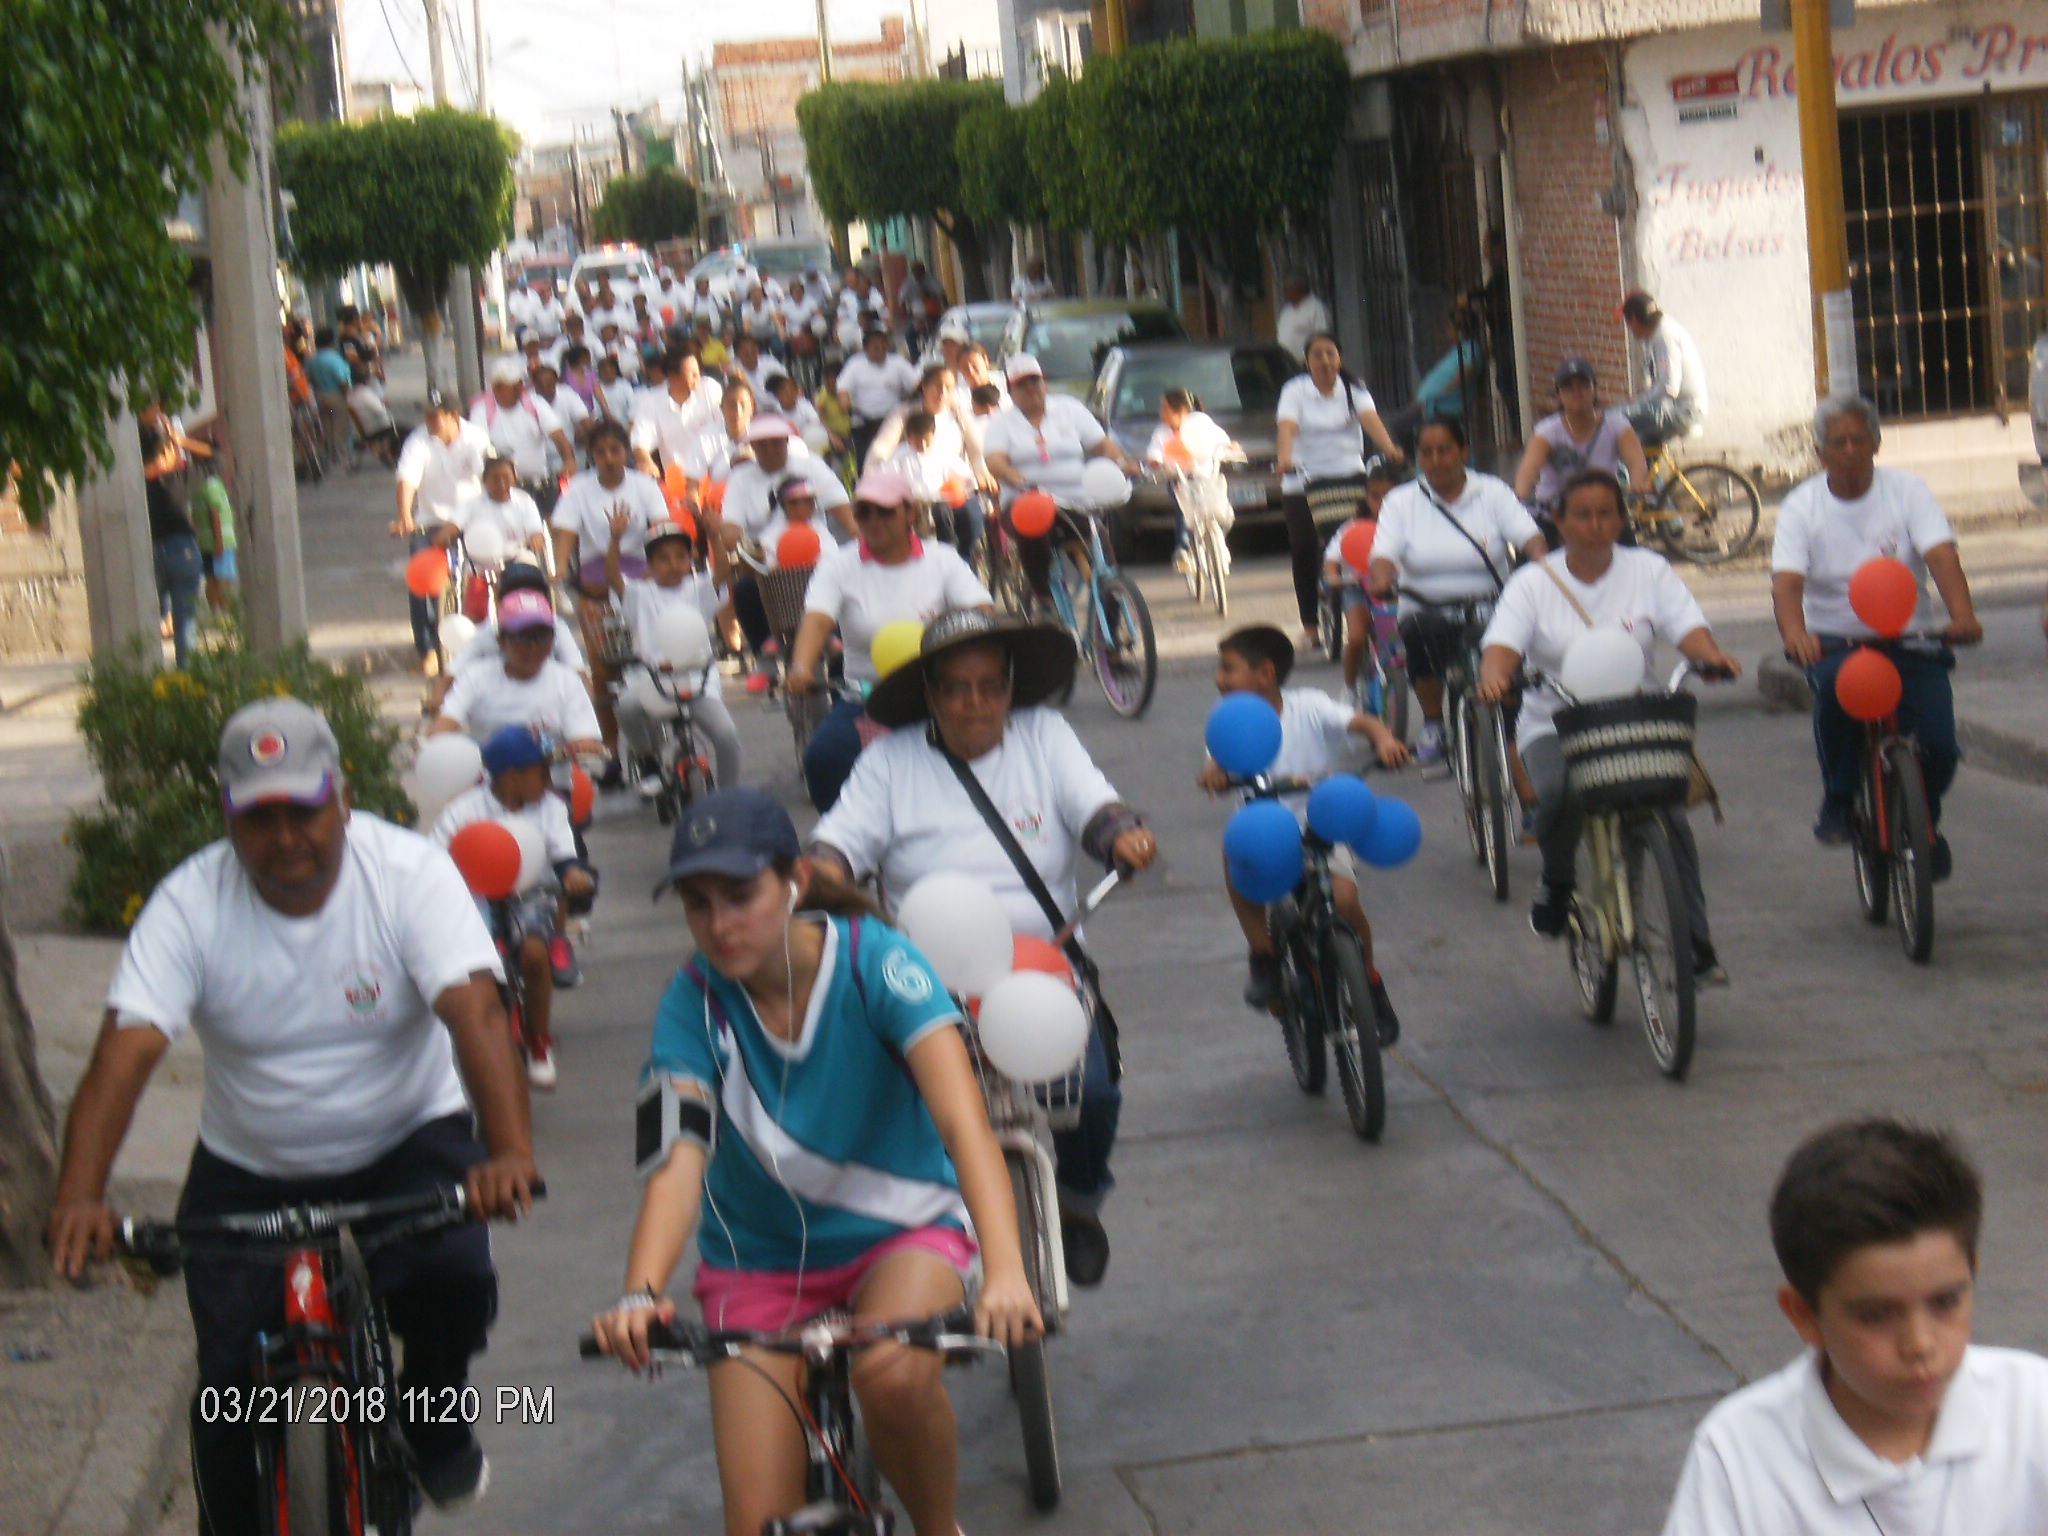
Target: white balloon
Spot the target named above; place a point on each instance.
(484, 543)
(684, 639)
(445, 767)
(1602, 664)
(961, 928)
(1103, 484)
(641, 690)
(1033, 1028)
(533, 852)
(457, 630)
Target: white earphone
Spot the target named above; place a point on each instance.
(793, 896)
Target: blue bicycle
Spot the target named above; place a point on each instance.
(1104, 611)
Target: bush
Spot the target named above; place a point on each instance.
(154, 736)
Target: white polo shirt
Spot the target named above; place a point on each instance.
(861, 595)
(443, 475)
(662, 425)
(586, 510)
(1418, 537)
(520, 432)
(1827, 540)
(322, 1048)
(646, 601)
(1050, 456)
(486, 699)
(876, 389)
(1777, 1459)
(903, 815)
(1328, 439)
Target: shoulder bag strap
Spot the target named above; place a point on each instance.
(1464, 533)
(1558, 581)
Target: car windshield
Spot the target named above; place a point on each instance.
(1072, 346)
(1247, 379)
(987, 328)
(787, 260)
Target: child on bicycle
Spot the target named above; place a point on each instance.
(1188, 442)
(672, 580)
(1364, 620)
(1891, 1419)
(1315, 740)
(808, 1087)
(531, 931)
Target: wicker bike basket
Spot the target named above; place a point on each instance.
(782, 595)
(1621, 754)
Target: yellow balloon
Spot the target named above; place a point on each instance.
(895, 643)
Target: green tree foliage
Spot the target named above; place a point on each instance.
(1052, 137)
(107, 110)
(646, 207)
(996, 182)
(424, 193)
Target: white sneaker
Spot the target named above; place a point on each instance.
(540, 1070)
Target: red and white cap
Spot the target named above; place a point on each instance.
(524, 609)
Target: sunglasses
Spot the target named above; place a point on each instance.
(868, 511)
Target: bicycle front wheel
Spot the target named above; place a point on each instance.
(306, 1484)
(1216, 568)
(1301, 1020)
(1462, 717)
(1494, 791)
(1663, 943)
(1126, 657)
(1355, 1029)
(1030, 1382)
(1394, 696)
(1867, 855)
(1912, 852)
(1716, 510)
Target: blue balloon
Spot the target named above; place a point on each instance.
(1262, 846)
(1396, 834)
(1243, 734)
(1342, 809)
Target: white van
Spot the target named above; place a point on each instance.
(626, 266)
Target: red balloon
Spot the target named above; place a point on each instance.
(582, 794)
(759, 682)
(1357, 545)
(799, 546)
(1033, 514)
(488, 855)
(1031, 953)
(955, 492)
(1884, 594)
(1868, 685)
(426, 573)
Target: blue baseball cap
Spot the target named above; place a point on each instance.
(510, 747)
(732, 832)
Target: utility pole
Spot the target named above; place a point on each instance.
(483, 58)
(469, 372)
(1827, 238)
(824, 48)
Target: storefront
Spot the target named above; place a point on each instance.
(1944, 132)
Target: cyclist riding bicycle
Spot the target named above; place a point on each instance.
(1580, 434)
(346, 992)
(671, 582)
(1547, 605)
(1189, 444)
(1360, 612)
(810, 1112)
(1674, 397)
(525, 685)
(1829, 526)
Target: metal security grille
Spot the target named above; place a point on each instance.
(2013, 140)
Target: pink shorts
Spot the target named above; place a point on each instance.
(763, 1300)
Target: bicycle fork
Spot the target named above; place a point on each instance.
(1037, 1163)
(1611, 905)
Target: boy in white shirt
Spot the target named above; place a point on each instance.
(1892, 1421)
(525, 685)
(529, 924)
(1315, 739)
(671, 581)
(919, 462)
(503, 506)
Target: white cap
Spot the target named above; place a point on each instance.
(956, 330)
(508, 370)
(768, 429)
(1023, 366)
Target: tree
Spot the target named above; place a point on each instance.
(107, 111)
(646, 207)
(425, 194)
(994, 154)
(880, 152)
(1052, 137)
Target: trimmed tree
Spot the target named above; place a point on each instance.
(423, 194)
(646, 207)
(1052, 142)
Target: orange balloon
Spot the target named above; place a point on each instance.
(799, 546)
(426, 573)
(582, 794)
(488, 855)
(1868, 686)
(1884, 595)
(1356, 547)
(1031, 953)
(1177, 452)
(955, 492)
(675, 483)
(1033, 514)
(714, 495)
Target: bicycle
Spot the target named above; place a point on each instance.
(782, 598)
(842, 1491)
(1704, 511)
(1381, 688)
(1629, 762)
(1476, 744)
(683, 772)
(1324, 993)
(1891, 837)
(1105, 613)
(1204, 502)
(331, 1453)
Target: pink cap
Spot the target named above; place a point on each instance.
(524, 609)
(882, 488)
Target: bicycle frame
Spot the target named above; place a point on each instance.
(1086, 528)
(1612, 908)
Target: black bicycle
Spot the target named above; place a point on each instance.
(330, 1446)
(1476, 743)
(1891, 832)
(842, 1490)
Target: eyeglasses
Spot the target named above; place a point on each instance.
(869, 511)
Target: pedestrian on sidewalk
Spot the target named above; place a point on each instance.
(173, 543)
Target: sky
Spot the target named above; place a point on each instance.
(555, 63)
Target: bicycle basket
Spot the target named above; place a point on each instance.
(615, 641)
(782, 595)
(1622, 754)
(1009, 1101)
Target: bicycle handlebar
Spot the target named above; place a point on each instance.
(686, 1343)
(292, 1226)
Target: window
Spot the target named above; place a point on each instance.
(1072, 346)
(1247, 379)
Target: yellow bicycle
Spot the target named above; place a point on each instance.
(1704, 511)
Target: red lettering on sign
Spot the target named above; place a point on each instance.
(1708, 87)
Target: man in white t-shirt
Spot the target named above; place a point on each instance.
(1828, 528)
(871, 386)
(753, 509)
(440, 467)
(522, 428)
(669, 421)
(569, 409)
(1301, 316)
(1674, 397)
(345, 989)
(905, 813)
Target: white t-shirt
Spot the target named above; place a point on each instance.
(1298, 322)
(547, 316)
(1640, 595)
(903, 814)
(705, 306)
(620, 399)
(1672, 360)
(862, 594)
(322, 1049)
(516, 516)
(1826, 540)
(1328, 440)
(549, 813)
(758, 320)
(1777, 1459)
(1025, 290)
(662, 426)
(1315, 736)
(800, 314)
(554, 701)
(1434, 558)
(646, 601)
(443, 475)
(753, 501)
(569, 408)
(483, 646)
(1205, 442)
(586, 510)
(965, 391)
(876, 389)
(1050, 456)
(713, 454)
(519, 433)
(928, 472)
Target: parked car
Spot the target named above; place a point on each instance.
(1070, 337)
(1238, 384)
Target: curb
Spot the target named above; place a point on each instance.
(140, 1447)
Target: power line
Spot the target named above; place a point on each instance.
(399, 48)
(461, 47)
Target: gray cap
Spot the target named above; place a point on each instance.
(277, 749)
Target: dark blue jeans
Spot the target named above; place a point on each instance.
(1081, 1156)
(834, 748)
(426, 611)
(1927, 712)
(179, 567)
